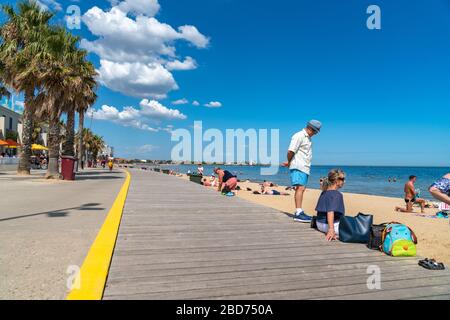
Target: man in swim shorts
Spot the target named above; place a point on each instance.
(440, 190)
(410, 197)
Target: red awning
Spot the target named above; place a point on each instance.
(12, 144)
(3, 143)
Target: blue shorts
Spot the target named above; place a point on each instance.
(298, 178)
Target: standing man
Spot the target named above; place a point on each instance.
(299, 162)
(411, 197)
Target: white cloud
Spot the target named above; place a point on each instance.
(195, 103)
(187, 64)
(213, 104)
(137, 79)
(20, 104)
(130, 37)
(191, 34)
(49, 5)
(150, 111)
(180, 101)
(146, 148)
(155, 110)
(145, 7)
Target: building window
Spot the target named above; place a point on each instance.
(10, 124)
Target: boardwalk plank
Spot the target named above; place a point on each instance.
(196, 244)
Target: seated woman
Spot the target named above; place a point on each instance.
(330, 206)
(440, 190)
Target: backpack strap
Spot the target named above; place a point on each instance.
(413, 235)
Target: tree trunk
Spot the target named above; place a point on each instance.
(68, 146)
(80, 139)
(53, 148)
(27, 131)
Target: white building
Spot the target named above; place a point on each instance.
(107, 152)
(10, 121)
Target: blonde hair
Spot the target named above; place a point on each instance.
(332, 178)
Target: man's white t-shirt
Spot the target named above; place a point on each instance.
(301, 145)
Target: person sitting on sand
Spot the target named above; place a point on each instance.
(330, 207)
(226, 180)
(410, 197)
(440, 190)
(213, 181)
(200, 170)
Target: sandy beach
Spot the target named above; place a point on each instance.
(433, 234)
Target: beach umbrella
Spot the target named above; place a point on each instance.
(3, 143)
(38, 147)
(12, 144)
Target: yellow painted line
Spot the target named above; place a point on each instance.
(91, 280)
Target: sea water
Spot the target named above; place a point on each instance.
(370, 180)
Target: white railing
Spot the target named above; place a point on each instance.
(9, 161)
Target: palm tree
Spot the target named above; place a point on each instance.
(96, 146)
(4, 92)
(22, 37)
(82, 97)
(93, 144)
(67, 85)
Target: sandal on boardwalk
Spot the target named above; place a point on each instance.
(431, 264)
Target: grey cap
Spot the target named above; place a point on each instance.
(315, 125)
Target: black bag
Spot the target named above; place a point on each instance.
(314, 222)
(355, 229)
(376, 236)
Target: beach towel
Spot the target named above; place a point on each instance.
(443, 207)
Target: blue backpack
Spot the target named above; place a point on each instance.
(399, 240)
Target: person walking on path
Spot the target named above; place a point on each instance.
(110, 165)
(299, 158)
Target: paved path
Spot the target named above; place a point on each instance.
(45, 226)
(179, 240)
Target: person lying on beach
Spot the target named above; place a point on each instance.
(330, 207)
(440, 190)
(227, 180)
(268, 184)
(206, 183)
(410, 197)
(266, 191)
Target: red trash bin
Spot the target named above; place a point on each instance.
(68, 167)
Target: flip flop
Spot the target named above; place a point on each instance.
(431, 264)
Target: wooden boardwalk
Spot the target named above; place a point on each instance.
(179, 240)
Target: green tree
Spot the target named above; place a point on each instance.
(22, 39)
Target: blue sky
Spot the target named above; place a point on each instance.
(382, 95)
